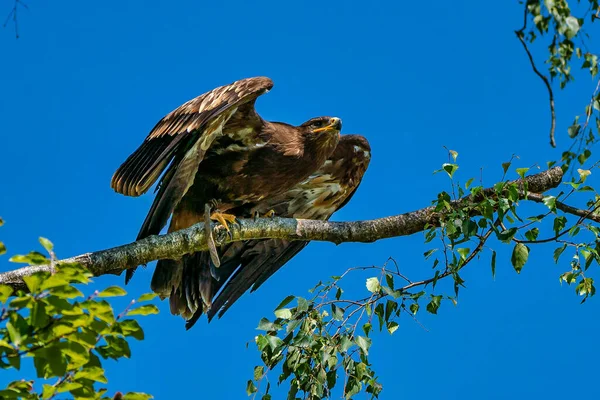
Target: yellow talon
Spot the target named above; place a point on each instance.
(223, 219)
(269, 214)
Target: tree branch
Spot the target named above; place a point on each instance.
(584, 214)
(193, 239)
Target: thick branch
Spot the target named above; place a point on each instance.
(176, 244)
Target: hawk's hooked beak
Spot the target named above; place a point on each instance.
(334, 124)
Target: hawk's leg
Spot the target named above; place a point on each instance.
(210, 240)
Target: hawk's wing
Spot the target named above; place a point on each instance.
(182, 138)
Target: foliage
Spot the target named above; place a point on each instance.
(66, 334)
(327, 336)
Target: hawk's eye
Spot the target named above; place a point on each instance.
(317, 124)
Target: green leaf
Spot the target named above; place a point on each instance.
(345, 344)
(493, 264)
(434, 304)
(13, 334)
(78, 354)
(21, 301)
(532, 234)
(274, 342)
(144, 310)
(507, 235)
(259, 371)
(550, 202)
(39, 315)
(450, 169)
(33, 258)
(117, 347)
(559, 224)
(283, 313)
(33, 282)
(250, 388)
(558, 252)
(583, 174)
(100, 309)
(2, 249)
(519, 256)
(53, 281)
(68, 386)
(146, 297)
(367, 328)
(65, 292)
(5, 292)
(48, 391)
(352, 388)
(137, 396)
(414, 308)
(112, 291)
(337, 313)
(392, 327)
(50, 362)
(522, 172)
(46, 244)
(364, 344)
(95, 374)
(463, 252)
(373, 285)
(302, 305)
(454, 154)
(285, 302)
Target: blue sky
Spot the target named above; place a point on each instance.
(87, 80)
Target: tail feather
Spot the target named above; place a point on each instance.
(189, 285)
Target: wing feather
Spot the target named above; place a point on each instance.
(185, 124)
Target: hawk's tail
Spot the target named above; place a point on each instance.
(188, 283)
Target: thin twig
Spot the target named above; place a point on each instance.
(521, 36)
(586, 214)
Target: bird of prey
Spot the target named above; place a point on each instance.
(216, 150)
(250, 263)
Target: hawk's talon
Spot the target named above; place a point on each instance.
(269, 214)
(223, 219)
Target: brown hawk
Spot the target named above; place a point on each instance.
(215, 149)
(250, 263)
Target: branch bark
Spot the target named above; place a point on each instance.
(193, 239)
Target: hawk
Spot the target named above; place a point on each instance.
(216, 150)
(250, 263)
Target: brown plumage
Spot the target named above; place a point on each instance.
(251, 263)
(217, 150)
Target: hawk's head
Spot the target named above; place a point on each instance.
(322, 127)
(323, 134)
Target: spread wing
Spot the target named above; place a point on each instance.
(182, 138)
(322, 194)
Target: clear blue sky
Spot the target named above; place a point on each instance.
(87, 80)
